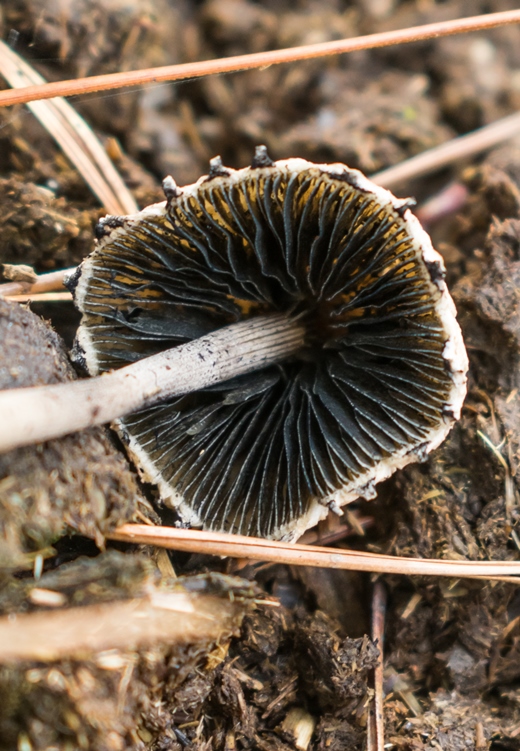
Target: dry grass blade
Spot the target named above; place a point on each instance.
(173, 617)
(254, 548)
(257, 60)
(73, 135)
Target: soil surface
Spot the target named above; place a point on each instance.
(299, 675)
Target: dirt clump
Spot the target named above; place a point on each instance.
(77, 484)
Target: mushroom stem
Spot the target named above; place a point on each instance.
(31, 415)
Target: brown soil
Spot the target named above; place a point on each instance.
(452, 654)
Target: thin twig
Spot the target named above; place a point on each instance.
(187, 71)
(50, 282)
(31, 415)
(172, 617)
(41, 297)
(73, 135)
(452, 151)
(238, 546)
(376, 723)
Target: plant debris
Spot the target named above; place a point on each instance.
(114, 698)
(280, 665)
(376, 383)
(293, 678)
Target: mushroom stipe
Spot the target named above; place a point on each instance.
(336, 357)
(377, 385)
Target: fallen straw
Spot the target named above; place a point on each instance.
(30, 415)
(446, 153)
(72, 134)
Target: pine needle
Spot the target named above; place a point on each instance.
(295, 554)
(186, 71)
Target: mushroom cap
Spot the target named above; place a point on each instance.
(379, 385)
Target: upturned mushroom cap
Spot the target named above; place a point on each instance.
(379, 385)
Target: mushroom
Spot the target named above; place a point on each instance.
(377, 383)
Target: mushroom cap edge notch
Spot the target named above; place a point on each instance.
(379, 386)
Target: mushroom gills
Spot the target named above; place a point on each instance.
(375, 387)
